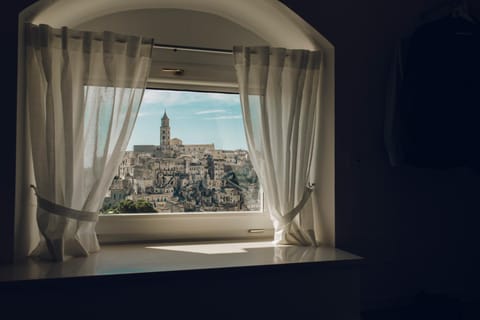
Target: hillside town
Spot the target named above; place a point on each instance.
(174, 177)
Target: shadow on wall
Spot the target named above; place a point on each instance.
(417, 228)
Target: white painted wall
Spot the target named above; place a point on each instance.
(247, 21)
(179, 27)
(203, 71)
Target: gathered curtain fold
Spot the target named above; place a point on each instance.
(280, 93)
(82, 95)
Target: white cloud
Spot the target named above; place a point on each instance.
(225, 117)
(166, 98)
(224, 98)
(148, 114)
(211, 111)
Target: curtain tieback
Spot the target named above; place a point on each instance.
(62, 210)
(287, 218)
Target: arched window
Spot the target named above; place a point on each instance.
(213, 24)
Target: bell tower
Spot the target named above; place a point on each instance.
(165, 131)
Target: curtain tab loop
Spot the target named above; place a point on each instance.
(34, 189)
(288, 218)
(63, 211)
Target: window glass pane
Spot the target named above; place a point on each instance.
(187, 153)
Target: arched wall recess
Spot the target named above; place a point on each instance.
(268, 19)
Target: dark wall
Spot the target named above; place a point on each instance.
(222, 293)
(8, 34)
(416, 227)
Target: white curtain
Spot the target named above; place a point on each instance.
(82, 95)
(280, 93)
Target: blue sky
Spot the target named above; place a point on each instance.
(195, 117)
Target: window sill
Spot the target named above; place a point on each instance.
(199, 227)
(128, 259)
(215, 280)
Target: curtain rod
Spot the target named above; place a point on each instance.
(193, 49)
(179, 48)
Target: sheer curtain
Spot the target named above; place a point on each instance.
(82, 95)
(280, 93)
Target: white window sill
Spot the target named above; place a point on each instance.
(124, 259)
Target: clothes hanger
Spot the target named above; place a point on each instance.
(449, 8)
(460, 10)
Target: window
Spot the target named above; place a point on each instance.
(205, 168)
(186, 174)
(229, 24)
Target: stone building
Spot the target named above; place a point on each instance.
(177, 177)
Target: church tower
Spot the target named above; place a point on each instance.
(165, 131)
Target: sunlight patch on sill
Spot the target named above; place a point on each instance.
(216, 248)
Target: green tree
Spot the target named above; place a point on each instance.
(144, 206)
(127, 206)
(109, 209)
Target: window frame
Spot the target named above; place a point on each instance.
(118, 228)
(191, 226)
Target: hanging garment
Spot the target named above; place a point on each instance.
(433, 106)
